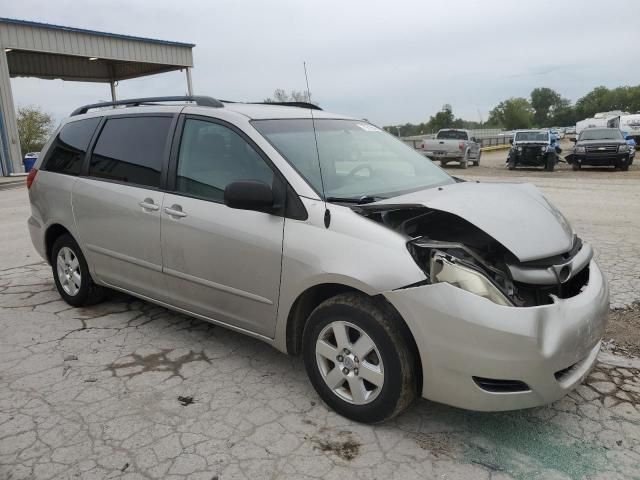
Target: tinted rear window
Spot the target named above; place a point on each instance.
(131, 150)
(452, 135)
(70, 146)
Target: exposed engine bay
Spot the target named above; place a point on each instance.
(450, 249)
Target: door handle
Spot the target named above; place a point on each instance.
(175, 211)
(148, 204)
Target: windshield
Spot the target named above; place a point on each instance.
(601, 134)
(452, 135)
(531, 137)
(358, 160)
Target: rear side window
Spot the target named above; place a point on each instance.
(131, 150)
(70, 146)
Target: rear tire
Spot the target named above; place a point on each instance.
(443, 163)
(576, 166)
(368, 385)
(476, 162)
(464, 163)
(71, 274)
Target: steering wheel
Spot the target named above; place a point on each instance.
(362, 166)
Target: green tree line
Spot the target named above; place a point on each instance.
(544, 108)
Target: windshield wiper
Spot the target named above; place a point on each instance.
(357, 200)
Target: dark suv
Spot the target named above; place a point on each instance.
(601, 147)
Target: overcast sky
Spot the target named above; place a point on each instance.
(388, 61)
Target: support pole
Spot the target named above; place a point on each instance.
(9, 140)
(113, 90)
(189, 84)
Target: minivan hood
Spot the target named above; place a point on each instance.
(515, 214)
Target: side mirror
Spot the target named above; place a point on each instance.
(249, 195)
(473, 139)
(574, 139)
(511, 141)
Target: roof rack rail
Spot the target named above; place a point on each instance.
(310, 105)
(199, 100)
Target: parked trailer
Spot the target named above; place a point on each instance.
(598, 120)
(627, 123)
(588, 123)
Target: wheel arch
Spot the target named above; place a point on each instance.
(313, 296)
(53, 232)
(302, 307)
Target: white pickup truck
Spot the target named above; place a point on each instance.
(453, 145)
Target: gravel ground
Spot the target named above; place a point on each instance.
(129, 390)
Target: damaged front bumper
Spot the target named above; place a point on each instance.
(479, 355)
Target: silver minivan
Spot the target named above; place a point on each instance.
(324, 236)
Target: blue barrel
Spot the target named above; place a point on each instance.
(28, 163)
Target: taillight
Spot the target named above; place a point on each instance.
(31, 177)
(461, 146)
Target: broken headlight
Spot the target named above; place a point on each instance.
(446, 268)
(463, 267)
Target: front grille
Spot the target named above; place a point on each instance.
(531, 153)
(602, 149)
(531, 295)
(495, 385)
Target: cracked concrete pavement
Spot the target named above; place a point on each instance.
(126, 389)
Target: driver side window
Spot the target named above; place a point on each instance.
(212, 156)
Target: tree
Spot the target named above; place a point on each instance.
(512, 113)
(34, 127)
(601, 99)
(443, 119)
(563, 114)
(543, 101)
(280, 95)
(597, 100)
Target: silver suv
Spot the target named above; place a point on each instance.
(322, 235)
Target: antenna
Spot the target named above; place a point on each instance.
(327, 213)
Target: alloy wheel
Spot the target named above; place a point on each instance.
(68, 268)
(349, 362)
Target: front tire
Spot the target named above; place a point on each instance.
(550, 163)
(359, 357)
(623, 165)
(71, 274)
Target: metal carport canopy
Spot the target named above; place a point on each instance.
(31, 49)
